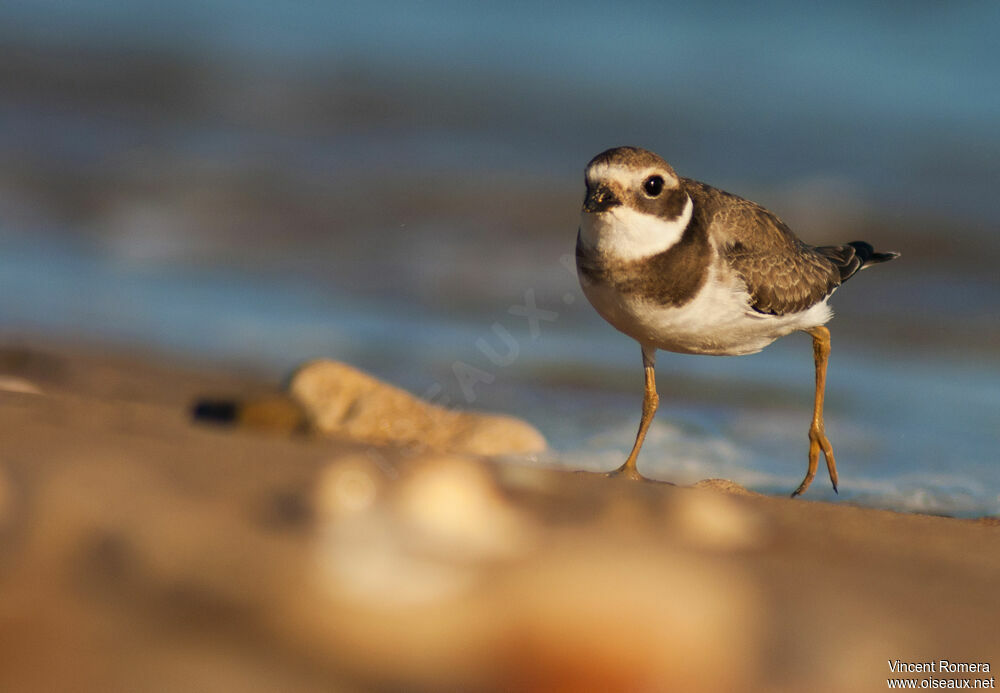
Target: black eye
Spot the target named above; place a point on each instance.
(653, 185)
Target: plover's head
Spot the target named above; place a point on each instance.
(636, 205)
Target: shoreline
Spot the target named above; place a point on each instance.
(138, 546)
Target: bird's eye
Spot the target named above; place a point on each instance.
(653, 185)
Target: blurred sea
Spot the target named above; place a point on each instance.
(392, 184)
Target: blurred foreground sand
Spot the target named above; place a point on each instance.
(141, 551)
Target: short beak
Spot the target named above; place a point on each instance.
(599, 198)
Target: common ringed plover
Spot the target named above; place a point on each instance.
(682, 266)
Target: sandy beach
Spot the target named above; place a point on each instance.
(140, 550)
(203, 204)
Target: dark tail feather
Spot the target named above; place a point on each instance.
(854, 257)
(866, 253)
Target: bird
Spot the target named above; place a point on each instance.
(681, 266)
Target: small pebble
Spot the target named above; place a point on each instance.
(10, 383)
(347, 487)
(454, 506)
(715, 521)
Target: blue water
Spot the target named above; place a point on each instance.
(915, 432)
(900, 98)
(124, 198)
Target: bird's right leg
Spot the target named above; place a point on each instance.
(650, 401)
(817, 433)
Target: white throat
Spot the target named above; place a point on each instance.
(625, 234)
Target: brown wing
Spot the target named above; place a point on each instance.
(783, 274)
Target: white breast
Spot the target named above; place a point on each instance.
(717, 320)
(625, 234)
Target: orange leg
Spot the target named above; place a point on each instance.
(649, 403)
(817, 435)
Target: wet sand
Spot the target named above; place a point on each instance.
(142, 550)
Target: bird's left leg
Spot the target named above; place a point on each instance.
(650, 401)
(817, 435)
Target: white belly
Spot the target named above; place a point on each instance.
(718, 320)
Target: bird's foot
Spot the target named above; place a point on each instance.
(627, 471)
(818, 441)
